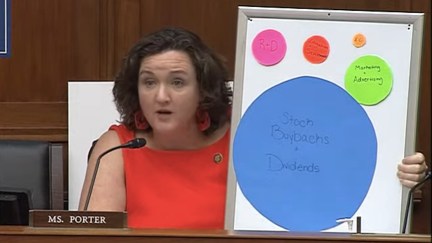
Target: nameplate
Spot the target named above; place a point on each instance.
(77, 219)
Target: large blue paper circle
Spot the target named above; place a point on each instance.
(304, 154)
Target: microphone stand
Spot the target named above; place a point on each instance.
(135, 143)
(408, 205)
(84, 218)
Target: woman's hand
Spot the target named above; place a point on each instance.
(412, 169)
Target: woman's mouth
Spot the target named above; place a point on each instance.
(164, 112)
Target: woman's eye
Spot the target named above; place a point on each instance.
(178, 82)
(149, 82)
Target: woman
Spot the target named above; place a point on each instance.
(172, 91)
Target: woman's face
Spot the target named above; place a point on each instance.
(168, 91)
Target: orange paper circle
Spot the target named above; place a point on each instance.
(316, 49)
(359, 40)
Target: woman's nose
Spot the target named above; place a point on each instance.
(162, 94)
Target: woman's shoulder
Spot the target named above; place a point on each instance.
(107, 140)
(119, 128)
(122, 132)
(114, 136)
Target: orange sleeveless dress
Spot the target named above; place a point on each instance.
(175, 189)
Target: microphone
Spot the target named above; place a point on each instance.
(408, 204)
(132, 144)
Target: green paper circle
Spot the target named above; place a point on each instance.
(369, 80)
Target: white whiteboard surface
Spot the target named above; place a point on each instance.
(394, 37)
(91, 112)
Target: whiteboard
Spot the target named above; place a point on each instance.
(324, 109)
(91, 111)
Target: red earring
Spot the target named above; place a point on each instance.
(203, 120)
(140, 121)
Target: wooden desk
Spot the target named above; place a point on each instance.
(20, 234)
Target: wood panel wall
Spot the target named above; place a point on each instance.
(54, 41)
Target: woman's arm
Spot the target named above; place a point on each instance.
(109, 193)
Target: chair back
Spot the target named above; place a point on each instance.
(35, 167)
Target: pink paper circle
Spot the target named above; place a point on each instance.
(269, 47)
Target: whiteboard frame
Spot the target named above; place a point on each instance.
(245, 13)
